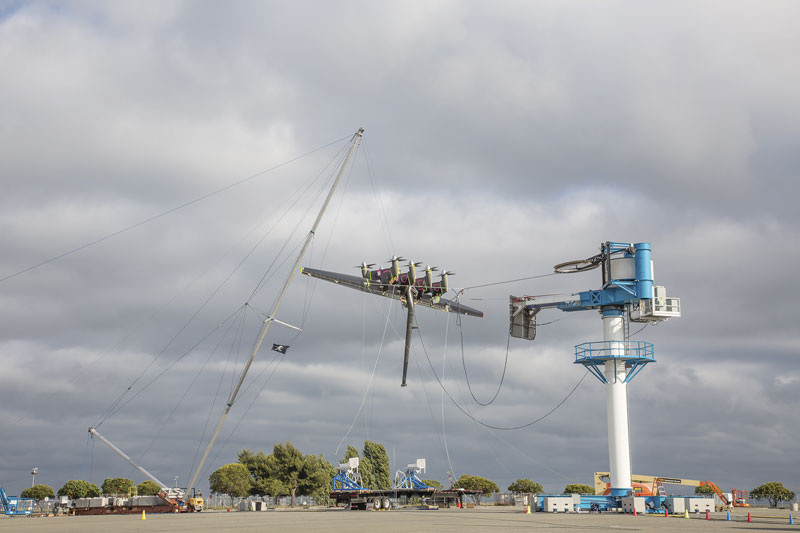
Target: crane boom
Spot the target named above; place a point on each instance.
(122, 454)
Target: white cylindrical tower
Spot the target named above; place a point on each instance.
(619, 455)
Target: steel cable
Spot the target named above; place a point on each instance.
(460, 408)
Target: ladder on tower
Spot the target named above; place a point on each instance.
(626, 326)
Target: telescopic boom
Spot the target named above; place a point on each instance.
(122, 454)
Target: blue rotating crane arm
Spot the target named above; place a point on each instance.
(627, 282)
(627, 278)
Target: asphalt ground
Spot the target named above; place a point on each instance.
(404, 520)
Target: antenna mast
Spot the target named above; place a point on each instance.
(273, 313)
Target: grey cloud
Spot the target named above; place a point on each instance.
(501, 141)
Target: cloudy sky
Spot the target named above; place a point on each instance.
(500, 140)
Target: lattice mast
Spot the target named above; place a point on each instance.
(273, 313)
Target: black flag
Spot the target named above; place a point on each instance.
(280, 348)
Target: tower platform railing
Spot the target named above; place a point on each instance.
(635, 354)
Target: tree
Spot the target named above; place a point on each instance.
(256, 464)
(773, 491)
(286, 469)
(38, 492)
(298, 474)
(704, 490)
(350, 453)
(117, 485)
(232, 479)
(376, 455)
(148, 488)
(322, 487)
(78, 488)
(432, 483)
(578, 488)
(485, 486)
(526, 485)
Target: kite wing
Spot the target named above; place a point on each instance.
(397, 292)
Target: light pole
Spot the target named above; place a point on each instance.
(33, 473)
(176, 482)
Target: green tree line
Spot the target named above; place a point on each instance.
(78, 488)
(289, 472)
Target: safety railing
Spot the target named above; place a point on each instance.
(635, 354)
(614, 350)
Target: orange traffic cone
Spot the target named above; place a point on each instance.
(708, 517)
(748, 517)
(666, 513)
(634, 510)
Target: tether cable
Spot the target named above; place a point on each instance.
(466, 376)
(167, 212)
(502, 428)
(508, 281)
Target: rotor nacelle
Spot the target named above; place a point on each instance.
(429, 270)
(365, 269)
(395, 268)
(412, 272)
(445, 281)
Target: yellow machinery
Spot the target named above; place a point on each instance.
(196, 503)
(654, 486)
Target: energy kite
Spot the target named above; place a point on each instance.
(404, 286)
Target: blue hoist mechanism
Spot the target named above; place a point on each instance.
(408, 479)
(627, 290)
(13, 505)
